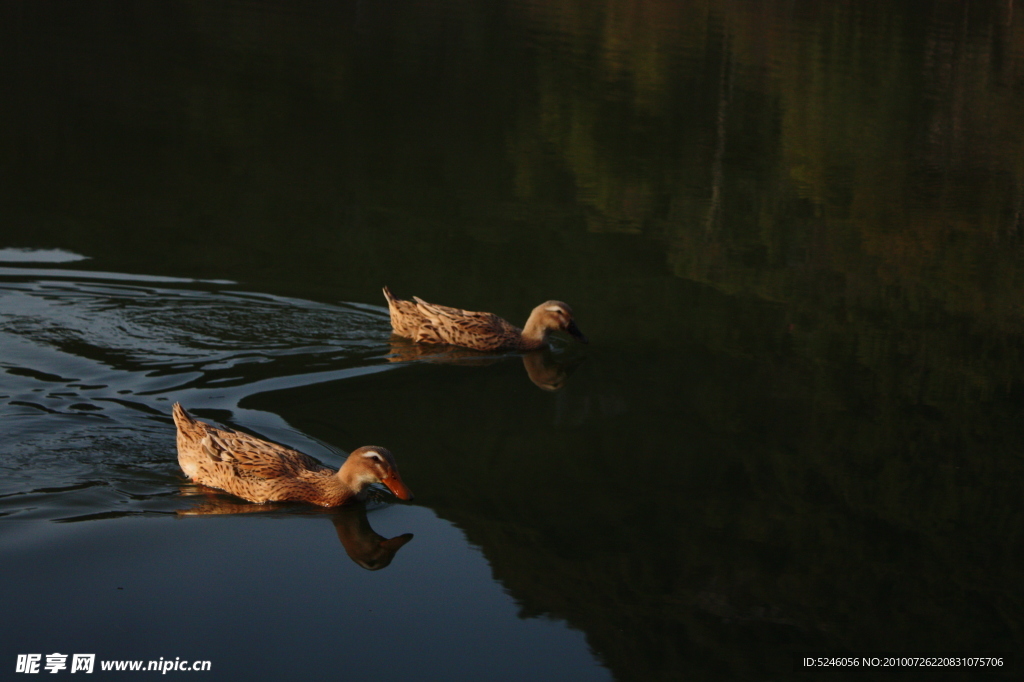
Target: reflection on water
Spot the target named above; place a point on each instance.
(547, 368)
(550, 370)
(363, 545)
(38, 256)
(282, 586)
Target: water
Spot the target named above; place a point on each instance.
(791, 232)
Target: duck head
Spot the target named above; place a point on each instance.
(372, 464)
(555, 316)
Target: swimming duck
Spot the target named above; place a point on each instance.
(430, 323)
(261, 471)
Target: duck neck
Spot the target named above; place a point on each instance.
(348, 482)
(534, 334)
(331, 492)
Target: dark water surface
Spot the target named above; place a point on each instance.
(793, 232)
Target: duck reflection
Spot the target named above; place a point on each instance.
(362, 543)
(548, 371)
(545, 368)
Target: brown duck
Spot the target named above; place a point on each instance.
(430, 323)
(261, 471)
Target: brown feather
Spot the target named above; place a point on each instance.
(425, 322)
(261, 471)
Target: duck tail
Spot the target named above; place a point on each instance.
(389, 296)
(181, 417)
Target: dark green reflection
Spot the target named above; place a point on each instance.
(705, 512)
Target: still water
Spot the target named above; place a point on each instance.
(792, 232)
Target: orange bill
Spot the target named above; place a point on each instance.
(395, 485)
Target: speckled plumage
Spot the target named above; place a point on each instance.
(261, 471)
(425, 322)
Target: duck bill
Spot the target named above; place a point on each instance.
(395, 485)
(575, 332)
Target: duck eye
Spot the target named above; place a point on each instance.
(374, 456)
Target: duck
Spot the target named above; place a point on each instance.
(261, 471)
(431, 323)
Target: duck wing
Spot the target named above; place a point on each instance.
(253, 457)
(406, 318)
(482, 331)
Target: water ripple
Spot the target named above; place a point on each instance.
(91, 364)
